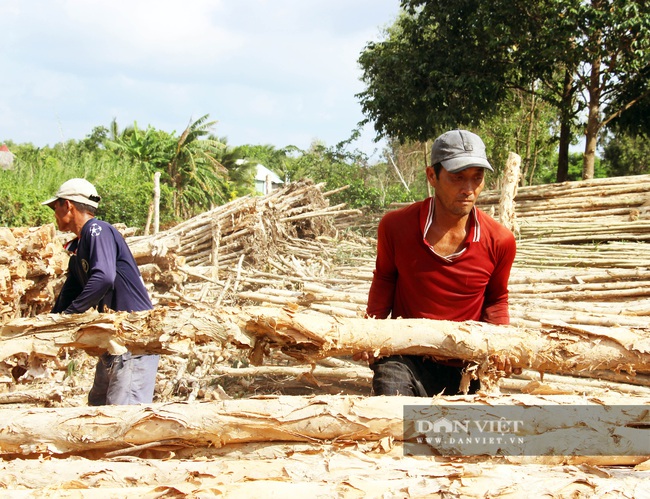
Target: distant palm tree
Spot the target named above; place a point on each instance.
(241, 171)
(189, 164)
(194, 172)
(151, 148)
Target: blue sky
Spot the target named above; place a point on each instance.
(273, 72)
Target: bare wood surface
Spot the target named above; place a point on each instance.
(315, 470)
(308, 336)
(269, 419)
(511, 174)
(162, 330)
(549, 384)
(554, 348)
(30, 397)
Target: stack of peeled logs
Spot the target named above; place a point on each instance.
(32, 263)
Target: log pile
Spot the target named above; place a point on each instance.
(278, 231)
(608, 209)
(305, 265)
(277, 446)
(250, 228)
(32, 264)
(308, 336)
(338, 469)
(116, 430)
(265, 296)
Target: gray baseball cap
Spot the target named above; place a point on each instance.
(459, 149)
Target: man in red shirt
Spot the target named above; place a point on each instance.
(441, 258)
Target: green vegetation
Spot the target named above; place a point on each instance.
(463, 64)
(71, 369)
(533, 77)
(199, 171)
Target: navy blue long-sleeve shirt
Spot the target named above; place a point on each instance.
(102, 273)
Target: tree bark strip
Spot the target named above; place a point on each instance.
(311, 471)
(163, 330)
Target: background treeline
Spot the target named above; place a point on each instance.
(541, 78)
(200, 170)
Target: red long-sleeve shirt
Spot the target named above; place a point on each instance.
(412, 281)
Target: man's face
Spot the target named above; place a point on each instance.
(62, 214)
(456, 193)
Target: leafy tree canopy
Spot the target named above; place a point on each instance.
(450, 64)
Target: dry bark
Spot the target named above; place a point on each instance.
(322, 419)
(30, 397)
(511, 174)
(32, 265)
(554, 348)
(162, 330)
(549, 384)
(316, 372)
(309, 336)
(313, 470)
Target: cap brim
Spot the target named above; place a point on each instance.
(49, 201)
(456, 165)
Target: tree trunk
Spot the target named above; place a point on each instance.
(337, 470)
(309, 336)
(591, 139)
(554, 348)
(162, 330)
(110, 429)
(528, 170)
(566, 114)
(593, 117)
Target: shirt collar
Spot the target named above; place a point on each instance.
(426, 221)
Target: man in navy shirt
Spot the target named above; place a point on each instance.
(102, 274)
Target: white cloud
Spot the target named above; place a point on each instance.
(277, 71)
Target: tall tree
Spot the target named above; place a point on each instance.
(613, 38)
(188, 163)
(454, 64)
(194, 171)
(627, 154)
(446, 64)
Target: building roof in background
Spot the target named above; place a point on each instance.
(263, 172)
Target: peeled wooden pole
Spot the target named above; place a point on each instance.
(156, 203)
(309, 336)
(162, 330)
(293, 419)
(507, 212)
(553, 348)
(316, 470)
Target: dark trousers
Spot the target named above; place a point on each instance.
(416, 376)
